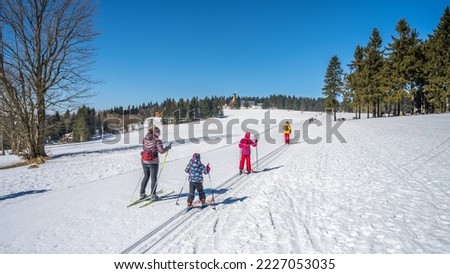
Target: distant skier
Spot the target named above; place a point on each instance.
(287, 132)
(244, 145)
(151, 146)
(196, 169)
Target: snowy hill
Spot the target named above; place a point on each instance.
(385, 190)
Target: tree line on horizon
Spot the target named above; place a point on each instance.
(408, 76)
(86, 122)
(208, 107)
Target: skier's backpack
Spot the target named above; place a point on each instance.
(147, 155)
(286, 127)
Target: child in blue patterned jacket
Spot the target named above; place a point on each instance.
(196, 169)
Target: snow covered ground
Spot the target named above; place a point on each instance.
(385, 190)
(8, 159)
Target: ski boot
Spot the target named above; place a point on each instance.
(204, 203)
(189, 206)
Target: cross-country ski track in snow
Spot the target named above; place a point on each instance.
(171, 228)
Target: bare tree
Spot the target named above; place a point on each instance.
(47, 55)
(2, 92)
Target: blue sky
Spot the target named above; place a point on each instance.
(150, 50)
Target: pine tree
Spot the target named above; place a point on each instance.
(373, 66)
(437, 68)
(356, 80)
(170, 109)
(55, 128)
(81, 132)
(405, 64)
(266, 104)
(333, 84)
(67, 120)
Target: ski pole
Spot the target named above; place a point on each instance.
(140, 178)
(257, 161)
(212, 191)
(240, 159)
(181, 191)
(160, 170)
(163, 164)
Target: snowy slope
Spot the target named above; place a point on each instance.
(386, 190)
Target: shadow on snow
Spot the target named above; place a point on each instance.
(22, 193)
(266, 169)
(98, 151)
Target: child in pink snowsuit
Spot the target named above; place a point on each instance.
(244, 145)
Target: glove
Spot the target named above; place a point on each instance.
(169, 146)
(208, 168)
(256, 141)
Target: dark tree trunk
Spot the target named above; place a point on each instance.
(40, 139)
(360, 107)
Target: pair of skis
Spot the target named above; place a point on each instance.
(149, 200)
(201, 206)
